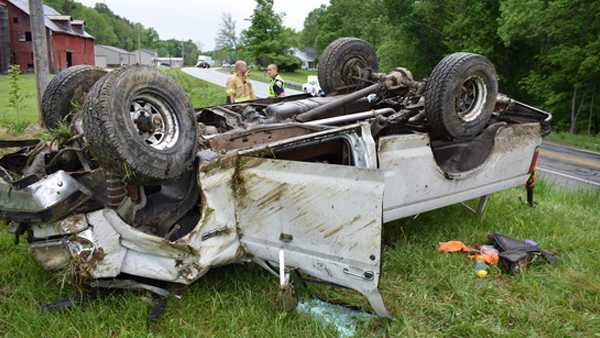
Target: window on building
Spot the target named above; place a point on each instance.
(27, 36)
(16, 19)
(20, 36)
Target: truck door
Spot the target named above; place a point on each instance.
(326, 218)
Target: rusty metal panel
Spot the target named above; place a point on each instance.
(326, 218)
(52, 255)
(68, 226)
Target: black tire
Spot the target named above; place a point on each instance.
(460, 96)
(65, 94)
(344, 59)
(160, 145)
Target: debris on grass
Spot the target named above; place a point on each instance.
(345, 320)
(512, 254)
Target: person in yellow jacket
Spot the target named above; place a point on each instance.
(277, 86)
(239, 88)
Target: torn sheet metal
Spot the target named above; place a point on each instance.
(119, 248)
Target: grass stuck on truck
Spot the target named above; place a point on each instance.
(137, 189)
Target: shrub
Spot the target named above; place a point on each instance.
(14, 127)
(15, 94)
(285, 62)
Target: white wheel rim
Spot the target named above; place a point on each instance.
(471, 98)
(154, 121)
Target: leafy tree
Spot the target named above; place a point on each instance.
(565, 35)
(190, 53)
(227, 39)
(266, 40)
(312, 27)
(546, 51)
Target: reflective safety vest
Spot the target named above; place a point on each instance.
(276, 81)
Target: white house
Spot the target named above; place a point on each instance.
(308, 56)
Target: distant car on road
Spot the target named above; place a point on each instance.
(203, 64)
(312, 86)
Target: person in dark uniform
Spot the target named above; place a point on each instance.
(277, 86)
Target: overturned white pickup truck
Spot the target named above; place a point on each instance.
(140, 187)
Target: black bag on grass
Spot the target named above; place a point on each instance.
(516, 254)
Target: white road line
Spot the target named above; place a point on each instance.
(575, 149)
(557, 173)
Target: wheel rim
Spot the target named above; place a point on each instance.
(353, 71)
(471, 99)
(154, 121)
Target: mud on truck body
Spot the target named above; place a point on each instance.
(139, 187)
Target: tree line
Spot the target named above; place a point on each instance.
(546, 52)
(113, 30)
(266, 41)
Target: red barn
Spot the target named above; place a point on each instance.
(68, 42)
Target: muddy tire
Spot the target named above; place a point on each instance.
(460, 96)
(344, 60)
(65, 94)
(139, 124)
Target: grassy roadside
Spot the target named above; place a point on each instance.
(201, 93)
(14, 125)
(13, 122)
(431, 294)
(590, 142)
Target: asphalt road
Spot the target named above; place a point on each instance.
(569, 166)
(558, 163)
(219, 78)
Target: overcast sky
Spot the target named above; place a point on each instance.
(199, 20)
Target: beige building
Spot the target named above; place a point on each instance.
(113, 57)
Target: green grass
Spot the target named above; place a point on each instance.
(298, 77)
(590, 142)
(201, 93)
(11, 119)
(13, 124)
(431, 294)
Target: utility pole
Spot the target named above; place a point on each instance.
(40, 51)
(139, 43)
(183, 52)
